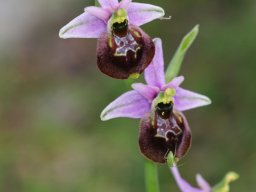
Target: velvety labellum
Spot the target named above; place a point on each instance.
(166, 131)
(124, 51)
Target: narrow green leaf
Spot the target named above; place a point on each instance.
(175, 64)
(151, 177)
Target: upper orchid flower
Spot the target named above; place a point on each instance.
(203, 185)
(164, 128)
(124, 50)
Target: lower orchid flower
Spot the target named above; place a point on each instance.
(203, 185)
(124, 50)
(163, 127)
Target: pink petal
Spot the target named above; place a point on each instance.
(154, 73)
(141, 13)
(102, 14)
(124, 4)
(184, 100)
(202, 183)
(83, 26)
(183, 184)
(176, 82)
(131, 104)
(146, 91)
(108, 3)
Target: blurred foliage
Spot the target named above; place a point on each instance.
(51, 95)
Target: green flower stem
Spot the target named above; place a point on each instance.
(151, 177)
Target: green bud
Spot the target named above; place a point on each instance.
(223, 186)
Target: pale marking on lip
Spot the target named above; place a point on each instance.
(126, 44)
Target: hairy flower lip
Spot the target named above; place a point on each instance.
(186, 140)
(121, 67)
(156, 147)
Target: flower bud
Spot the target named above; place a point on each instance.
(167, 131)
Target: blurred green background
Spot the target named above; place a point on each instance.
(51, 95)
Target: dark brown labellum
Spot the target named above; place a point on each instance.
(125, 51)
(161, 134)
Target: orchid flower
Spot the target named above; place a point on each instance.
(203, 185)
(124, 50)
(159, 104)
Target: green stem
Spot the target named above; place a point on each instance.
(151, 177)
